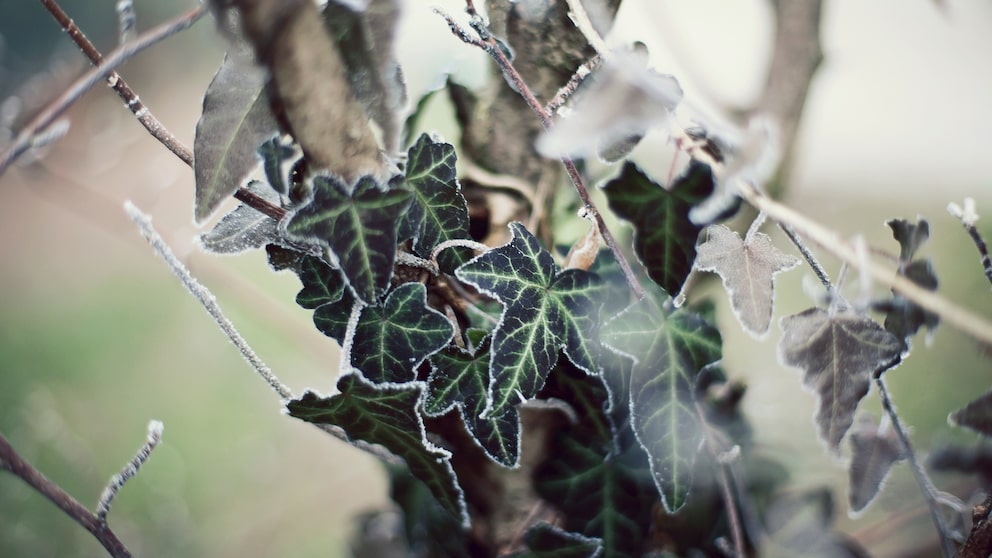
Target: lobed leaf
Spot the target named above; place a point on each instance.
(838, 352)
(358, 225)
(976, 415)
(747, 268)
(388, 416)
(323, 292)
(664, 236)
(669, 350)
(544, 540)
(439, 212)
(544, 310)
(392, 340)
(236, 119)
(873, 453)
(460, 379)
(909, 236)
(274, 152)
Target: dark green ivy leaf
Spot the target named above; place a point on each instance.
(603, 491)
(274, 152)
(323, 292)
(839, 352)
(236, 119)
(664, 236)
(669, 351)
(387, 416)
(976, 415)
(393, 339)
(547, 541)
(439, 211)
(358, 225)
(544, 310)
(460, 379)
(428, 528)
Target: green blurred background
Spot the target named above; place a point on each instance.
(97, 338)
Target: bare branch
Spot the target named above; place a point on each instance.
(968, 216)
(120, 55)
(141, 112)
(11, 461)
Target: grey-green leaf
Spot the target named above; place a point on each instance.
(236, 119)
(839, 352)
(873, 452)
(976, 415)
(748, 268)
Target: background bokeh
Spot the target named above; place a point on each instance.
(97, 338)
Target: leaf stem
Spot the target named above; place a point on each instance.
(569, 89)
(951, 313)
(489, 45)
(140, 111)
(11, 461)
(205, 298)
(926, 485)
(131, 469)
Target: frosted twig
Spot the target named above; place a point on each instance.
(456, 243)
(723, 459)
(968, 217)
(120, 55)
(11, 461)
(131, 469)
(205, 298)
(930, 492)
(567, 90)
(964, 320)
(579, 16)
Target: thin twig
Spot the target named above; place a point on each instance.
(569, 89)
(11, 461)
(120, 55)
(926, 485)
(142, 113)
(951, 313)
(456, 243)
(205, 298)
(968, 216)
(723, 480)
(489, 45)
(131, 469)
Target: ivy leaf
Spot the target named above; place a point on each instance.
(664, 236)
(873, 452)
(544, 310)
(274, 152)
(748, 268)
(387, 416)
(838, 352)
(439, 211)
(902, 316)
(602, 492)
(393, 339)
(324, 292)
(365, 40)
(976, 415)
(243, 229)
(236, 119)
(547, 541)
(909, 236)
(460, 379)
(428, 528)
(359, 226)
(669, 350)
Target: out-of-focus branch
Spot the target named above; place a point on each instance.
(796, 55)
(120, 55)
(11, 461)
(979, 542)
(309, 82)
